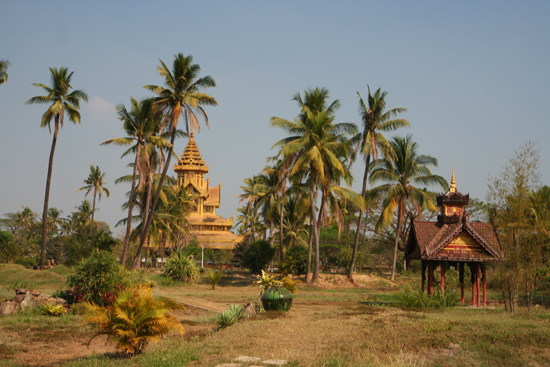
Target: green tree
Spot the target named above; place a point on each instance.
(140, 123)
(401, 173)
(62, 100)
(4, 65)
(375, 120)
(521, 221)
(252, 191)
(316, 145)
(180, 97)
(96, 185)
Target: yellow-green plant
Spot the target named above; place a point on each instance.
(213, 277)
(290, 284)
(265, 281)
(52, 310)
(134, 319)
(231, 316)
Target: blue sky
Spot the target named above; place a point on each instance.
(473, 75)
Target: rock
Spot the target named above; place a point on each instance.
(45, 299)
(8, 307)
(250, 309)
(28, 301)
(247, 359)
(275, 362)
(19, 298)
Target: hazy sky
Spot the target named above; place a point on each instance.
(473, 75)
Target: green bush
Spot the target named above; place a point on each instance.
(181, 267)
(295, 261)
(258, 255)
(98, 278)
(213, 277)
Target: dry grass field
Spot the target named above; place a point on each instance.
(332, 324)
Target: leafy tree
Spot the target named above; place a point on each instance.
(375, 121)
(61, 100)
(8, 248)
(179, 98)
(253, 189)
(95, 184)
(4, 65)
(400, 174)
(521, 219)
(258, 255)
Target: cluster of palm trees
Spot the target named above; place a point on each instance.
(148, 126)
(301, 190)
(151, 126)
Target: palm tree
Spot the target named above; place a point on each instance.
(253, 190)
(61, 100)
(375, 121)
(317, 145)
(140, 125)
(179, 98)
(4, 65)
(401, 173)
(95, 184)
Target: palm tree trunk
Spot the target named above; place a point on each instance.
(47, 197)
(359, 220)
(151, 211)
(315, 276)
(397, 233)
(281, 216)
(126, 245)
(147, 218)
(92, 219)
(309, 249)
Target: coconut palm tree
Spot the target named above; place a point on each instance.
(140, 124)
(62, 100)
(375, 120)
(94, 184)
(179, 98)
(4, 65)
(400, 175)
(253, 190)
(317, 144)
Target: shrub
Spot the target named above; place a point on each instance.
(98, 278)
(238, 253)
(213, 277)
(231, 316)
(134, 319)
(181, 267)
(52, 310)
(291, 285)
(258, 255)
(295, 262)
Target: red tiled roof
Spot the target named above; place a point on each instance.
(429, 241)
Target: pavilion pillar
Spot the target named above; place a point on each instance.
(474, 281)
(430, 278)
(461, 279)
(477, 283)
(484, 281)
(443, 278)
(423, 274)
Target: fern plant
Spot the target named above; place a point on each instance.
(134, 319)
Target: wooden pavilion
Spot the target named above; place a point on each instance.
(454, 241)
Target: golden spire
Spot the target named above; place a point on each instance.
(453, 183)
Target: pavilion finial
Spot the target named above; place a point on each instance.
(192, 136)
(453, 183)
